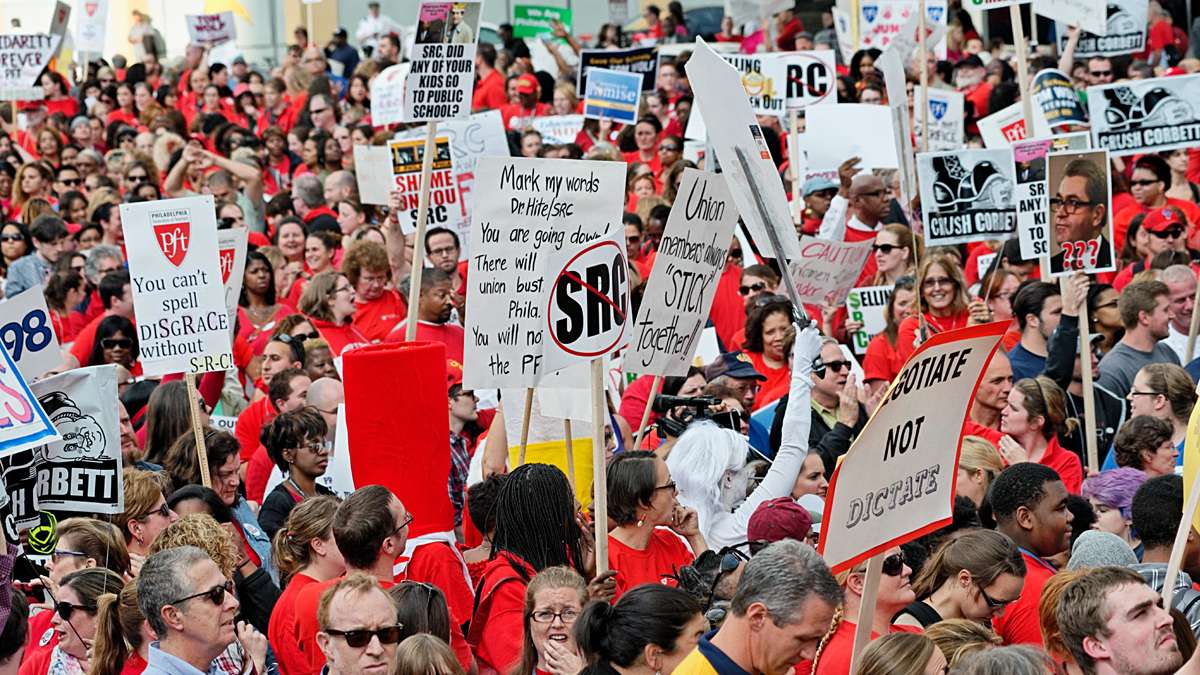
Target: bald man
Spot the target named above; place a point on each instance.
(326, 394)
(865, 196)
(340, 186)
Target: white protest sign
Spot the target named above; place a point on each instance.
(588, 311)
(558, 129)
(211, 29)
(899, 473)
(825, 271)
(442, 77)
(231, 255)
(843, 28)
(880, 21)
(222, 423)
(91, 25)
(1001, 128)
(1029, 166)
(893, 78)
(445, 206)
(945, 118)
(1124, 31)
(1141, 116)
(764, 79)
(174, 270)
(834, 133)
(525, 210)
(387, 95)
(28, 333)
(811, 78)
(81, 472)
(23, 422)
(680, 291)
(866, 305)
(23, 57)
(1089, 15)
(373, 171)
(732, 131)
(1054, 93)
(967, 195)
(906, 40)
(1084, 244)
(58, 24)
(992, 4)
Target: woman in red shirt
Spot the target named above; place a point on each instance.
(553, 602)
(58, 95)
(943, 301)
(126, 112)
(882, 362)
(64, 291)
(1035, 414)
(645, 135)
(305, 553)
(328, 302)
(642, 502)
(766, 332)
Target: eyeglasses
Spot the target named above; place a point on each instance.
(1169, 233)
(343, 289)
(837, 366)
(933, 282)
(64, 553)
(11, 237)
(318, 111)
(215, 595)
(669, 486)
(361, 637)
(401, 526)
(315, 445)
(445, 250)
(64, 609)
(116, 343)
(164, 511)
(1143, 182)
(752, 288)
(1135, 392)
(1100, 73)
(1069, 205)
(996, 606)
(71, 181)
(138, 178)
(893, 565)
(885, 248)
(567, 616)
(668, 148)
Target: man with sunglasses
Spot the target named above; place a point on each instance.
(191, 608)
(359, 628)
(1148, 183)
(68, 178)
(837, 414)
(1167, 230)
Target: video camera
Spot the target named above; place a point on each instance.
(694, 408)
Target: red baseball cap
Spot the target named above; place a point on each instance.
(1161, 219)
(527, 84)
(779, 518)
(454, 373)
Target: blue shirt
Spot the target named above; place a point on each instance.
(1025, 363)
(162, 663)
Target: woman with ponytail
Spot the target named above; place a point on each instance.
(648, 631)
(306, 554)
(972, 576)
(1036, 413)
(74, 622)
(123, 636)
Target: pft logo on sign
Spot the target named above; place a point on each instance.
(172, 235)
(588, 305)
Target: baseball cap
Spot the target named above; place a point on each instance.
(454, 373)
(1161, 219)
(779, 518)
(340, 33)
(733, 364)
(527, 84)
(817, 184)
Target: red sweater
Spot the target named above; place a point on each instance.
(283, 632)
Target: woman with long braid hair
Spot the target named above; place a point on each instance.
(536, 528)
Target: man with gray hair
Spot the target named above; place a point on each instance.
(339, 186)
(1181, 282)
(190, 606)
(782, 607)
(308, 199)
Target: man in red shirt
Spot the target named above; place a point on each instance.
(489, 90)
(519, 116)
(377, 308)
(969, 77)
(433, 315)
(117, 298)
(1029, 502)
(788, 25)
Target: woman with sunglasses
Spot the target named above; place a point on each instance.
(944, 304)
(1030, 423)
(643, 547)
(15, 242)
(73, 621)
(328, 302)
(882, 361)
(553, 602)
(295, 442)
(1104, 315)
(116, 342)
(833, 652)
(145, 516)
(649, 630)
(972, 576)
(894, 254)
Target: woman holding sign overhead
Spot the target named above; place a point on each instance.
(944, 304)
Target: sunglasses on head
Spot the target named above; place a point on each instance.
(215, 595)
(116, 343)
(361, 637)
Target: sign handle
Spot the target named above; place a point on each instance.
(923, 51)
(599, 469)
(1192, 326)
(1018, 26)
(866, 609)
(197, 428)
(797, 179)
(776, 243)
(1089, 399)
(641, 430)
(414, 277)
(525, 425)
(1181, 535)
(570, 452)
(312, 33)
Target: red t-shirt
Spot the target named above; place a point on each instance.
(134, 664)
(250, 424)
(664, 555)
(517, 117)
(937, 324)
(882, 361)
(497, 627)
(258, 474)
(1127, 214)
(634, 401)
(446, 333)
(436, 564)
(1019, 624)
(776, 384)
(282, 632)
(728, 312)
(340, 338)
(376, 318)
(489, 92)
(835, 658)
(1064, 462)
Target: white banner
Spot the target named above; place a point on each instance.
(387, 95)
(866, 305)
(680, 291)
(906, 40)
(231, 255)
(175, 273)
(588, 313)
(899, 473)
(1029, 166)
(23, 57)
(835, 133)
(442, 77)
(1001, 128)
(211, 29)
(1089, 15)
(945, 118)
(92, 17)
(825, 271)
(879, 21)
(558, 129)
(1140, 116)
(1124, 32)
(967, 195)
(526, 211)
(28, 333)
(23, 423)
(764, 79)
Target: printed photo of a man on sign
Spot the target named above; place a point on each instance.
(1080, 212)
(448, 22)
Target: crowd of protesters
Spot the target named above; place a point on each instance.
(1049, 566)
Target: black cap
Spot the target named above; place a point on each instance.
(340, 33)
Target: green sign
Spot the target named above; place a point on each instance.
(535, 20)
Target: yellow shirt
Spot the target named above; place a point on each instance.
(830, 416)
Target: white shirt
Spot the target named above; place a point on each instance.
(371, 28)
(1178, 343)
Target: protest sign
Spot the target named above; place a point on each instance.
(174, 271)
(679, 293)
(1080, 212)
(23, 422)
(588, 310)
(825, 271)
(843, 24)
(211, 29)
(91, 26)
(387, 95)
(764, 79)
(223, 423)
(471, 138)
(445, 207)
(1124, 28)
(879, 21)
(1139, 116)
(1053, 91)
(905, 40)
(732, 130)
(866, 305)
(442, 76)
(894, 79)
(23, 57)
(1001, 128)
(992, 4)
(231, 255)
(1089, 15)
(373, 171)
(945, 118)
(558, 129)
(81, 472)
(835, 132)
(640, 60)
(967, 195)
(811, 78)
(28, 333)
(525, 210)
(530, 21)
(58, 24)
(1029, 165)
(896, 482)
(612, 94)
